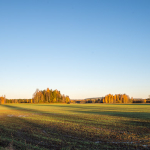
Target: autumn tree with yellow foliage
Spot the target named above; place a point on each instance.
(49, 96)
(118, 98)
(2, 100)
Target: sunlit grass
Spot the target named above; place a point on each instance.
(75, 126)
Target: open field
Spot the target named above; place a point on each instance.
(74, 126)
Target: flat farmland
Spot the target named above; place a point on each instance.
(74, 126)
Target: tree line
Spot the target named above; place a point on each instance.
(40, 96)
(112, 99)
(54, 96)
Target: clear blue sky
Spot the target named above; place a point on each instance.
(84, 48)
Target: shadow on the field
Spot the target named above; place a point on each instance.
(22, 108)
(89, 110)
(33, 135)
(89, 105)
(139, 115)
(140, 124)
(109, 111)
(80, 106)
(36, 132)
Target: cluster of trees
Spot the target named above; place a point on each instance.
(49, 96)
(112, 99)
(117, 98)
(45, 96)
(3, 100)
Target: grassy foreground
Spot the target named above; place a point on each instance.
(74, 126)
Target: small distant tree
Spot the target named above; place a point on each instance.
(67, 99)
(2, 100)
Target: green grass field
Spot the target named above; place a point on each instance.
(74, 126)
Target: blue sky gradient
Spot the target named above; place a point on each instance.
(84, 48)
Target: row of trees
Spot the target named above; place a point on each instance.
(45, 96)
(117, 98)
(18, 101)
(54, 96)
(3, 100)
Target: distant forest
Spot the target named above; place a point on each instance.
(45, 96)
(112, 99)
(54, 96)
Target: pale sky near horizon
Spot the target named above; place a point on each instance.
(83, 48)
